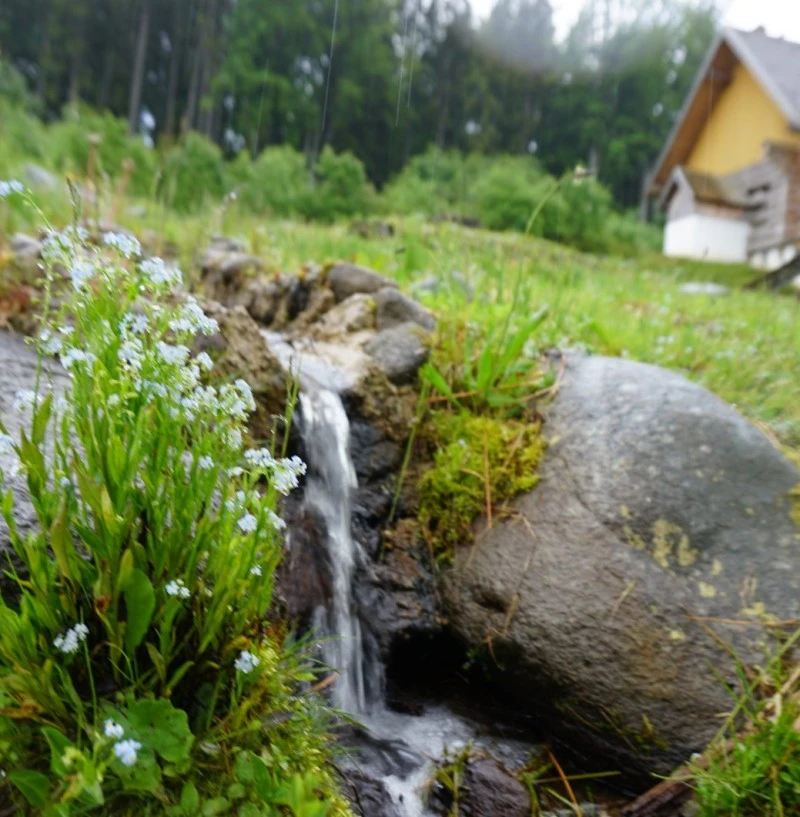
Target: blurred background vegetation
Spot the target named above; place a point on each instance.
(320, 109)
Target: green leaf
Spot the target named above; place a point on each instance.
(140, 601)
(34, 786)
(162, 727)
(144, 775)
(190, 799)
(219, 805)
(59, 744)
(41, 417)
(432, 375)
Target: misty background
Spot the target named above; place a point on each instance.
(383, 79)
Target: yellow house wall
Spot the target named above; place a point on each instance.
(742, 120)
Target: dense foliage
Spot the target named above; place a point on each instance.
(137, 673)
(383, 79)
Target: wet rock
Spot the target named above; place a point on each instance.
(703, 288)
(262, 300)
(368, 795)
(18, 373)
(26, 251)
(348, 279)
(399, 351)
(304, 577)
(658, 504)
(374, 455)
(394, 308)
(489, 789)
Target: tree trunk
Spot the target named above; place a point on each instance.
(172, 81)
(138, 69)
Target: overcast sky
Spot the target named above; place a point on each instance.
(781, 18)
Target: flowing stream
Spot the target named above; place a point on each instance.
(395, 748)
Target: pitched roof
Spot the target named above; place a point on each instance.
(774, 62)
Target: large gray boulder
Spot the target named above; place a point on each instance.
(661, 515)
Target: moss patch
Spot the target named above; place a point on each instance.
(476, 461)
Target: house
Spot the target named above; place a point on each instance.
(728, 177)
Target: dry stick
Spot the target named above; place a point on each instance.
(565, 781)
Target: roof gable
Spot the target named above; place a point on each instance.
(774, 63)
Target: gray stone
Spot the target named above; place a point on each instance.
(660, 512)
(399, 351)
(394, 308)
(26, 251)
(354, 314)
(703, 288)
(18, 364)
(434, 284)
(348, 279)
(489, 789)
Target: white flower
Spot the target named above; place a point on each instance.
(51, 344)
(255, 570)
(76, 356)
(130, 353)
(137, 323)
(113, 400)
(24, 400)
(246, 392)
(260, 457)
(234, 438)
(174, 355)
(205, 463)
(81, 273)
(126, 244)
(275, 520)
(236, 471)
(177, 588)
(69, 641)
(246, 662)
(193, 319)
(113, 730)
(187, 460)
(204, 361)
(65, 482)
(248, 523)
(126, 751)
(7, 188)
(159, 273)
(285, 474)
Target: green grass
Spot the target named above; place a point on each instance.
(745, 347)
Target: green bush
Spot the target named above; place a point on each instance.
(277, 182)
(507, 193)
(194, 174)
(433, 183)
(340, 189)
(68, 148)
(136, 671)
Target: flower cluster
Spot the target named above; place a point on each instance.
(126, 245)
(246, 662)
(69, 641)
(126, 751)
(7, 188)
(177, 588)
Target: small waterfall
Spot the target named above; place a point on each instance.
(329, 488)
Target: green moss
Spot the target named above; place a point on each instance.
(794, 496)
(472, 453)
